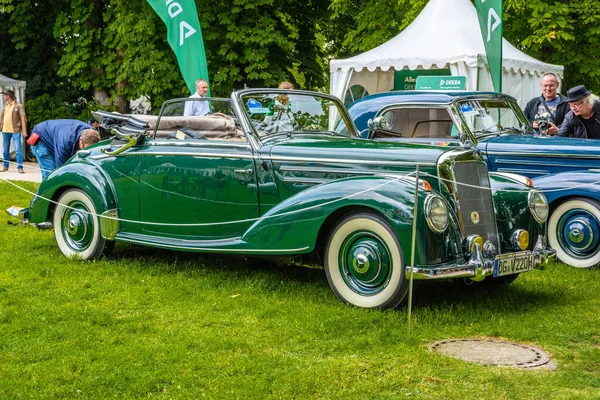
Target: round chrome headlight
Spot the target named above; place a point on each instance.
(436, 213)
(538, 205)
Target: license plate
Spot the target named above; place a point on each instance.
(513, 264)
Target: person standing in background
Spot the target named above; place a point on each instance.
(549, 101)
(198, 108)
(12, 123)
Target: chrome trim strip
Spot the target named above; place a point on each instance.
(198, 154)
(300, 168)
(552, 155)
(338, 161)
(523, 171)
(216, 249)
(304, 180)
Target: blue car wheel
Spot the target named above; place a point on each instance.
(574, 232)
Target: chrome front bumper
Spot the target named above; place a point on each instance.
(478, 268)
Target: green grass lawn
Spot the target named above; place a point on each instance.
(154, 324)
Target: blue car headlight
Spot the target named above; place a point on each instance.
(436, 213)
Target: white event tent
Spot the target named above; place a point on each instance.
(17, 86)
(445, 35)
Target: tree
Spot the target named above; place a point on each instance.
(565, 33)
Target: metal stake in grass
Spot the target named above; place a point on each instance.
(412, 250)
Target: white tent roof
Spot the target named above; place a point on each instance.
(446, 32)
(17, 86)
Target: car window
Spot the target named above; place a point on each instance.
(287, 113)
(196, 119)
(419, 122)
(484, 117)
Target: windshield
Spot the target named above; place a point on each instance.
(197, 107)
(281, 112)
(196, 119)
(484, 117)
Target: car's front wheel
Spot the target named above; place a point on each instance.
(76, 227)
(363, 262)
(574, 232)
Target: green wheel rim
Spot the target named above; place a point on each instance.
(365, 263)
(77, 226)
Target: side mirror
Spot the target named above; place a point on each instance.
(377, 123)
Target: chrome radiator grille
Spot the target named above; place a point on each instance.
(476, 207)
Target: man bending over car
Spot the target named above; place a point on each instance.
(53, 142)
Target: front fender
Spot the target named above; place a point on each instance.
(511, 205)
(86, 177)
(297, 221)
(569, 184)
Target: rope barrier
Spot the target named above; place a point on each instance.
(395, 179)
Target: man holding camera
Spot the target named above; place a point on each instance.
(583, 121)
(550, 102)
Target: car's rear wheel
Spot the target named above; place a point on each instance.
(363, 262)
(76, 227)
(574, 232)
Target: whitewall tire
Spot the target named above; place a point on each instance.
(574, 232)
(364, 264)
(76, 227)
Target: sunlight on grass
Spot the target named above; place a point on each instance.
(158, 324)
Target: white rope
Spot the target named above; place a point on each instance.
(213, 223)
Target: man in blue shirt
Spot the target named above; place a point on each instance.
(197, 107)
(549, 101)
(53, 142)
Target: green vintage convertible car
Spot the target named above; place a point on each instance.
(284, 174)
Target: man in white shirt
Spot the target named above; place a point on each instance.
(198, 107)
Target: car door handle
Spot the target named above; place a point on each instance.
(248, 171)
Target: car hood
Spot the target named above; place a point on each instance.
(353, 150)
(540, 145)
(536, 156)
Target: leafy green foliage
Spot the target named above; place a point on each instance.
(46, 107)
(565, 33)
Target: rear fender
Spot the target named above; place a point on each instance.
(86, 177)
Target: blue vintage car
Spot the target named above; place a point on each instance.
(567, 169)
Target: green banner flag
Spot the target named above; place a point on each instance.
(490, 22)
(184, 37)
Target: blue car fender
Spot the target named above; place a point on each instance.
(560, 186)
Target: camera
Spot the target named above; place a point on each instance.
(543, 120)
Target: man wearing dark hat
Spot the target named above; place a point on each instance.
(583, 121)
(12, 124)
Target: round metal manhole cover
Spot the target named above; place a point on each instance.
(494, 352)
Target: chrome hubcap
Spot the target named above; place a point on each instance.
(77, 226)
(365, 263)
(579, 233)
